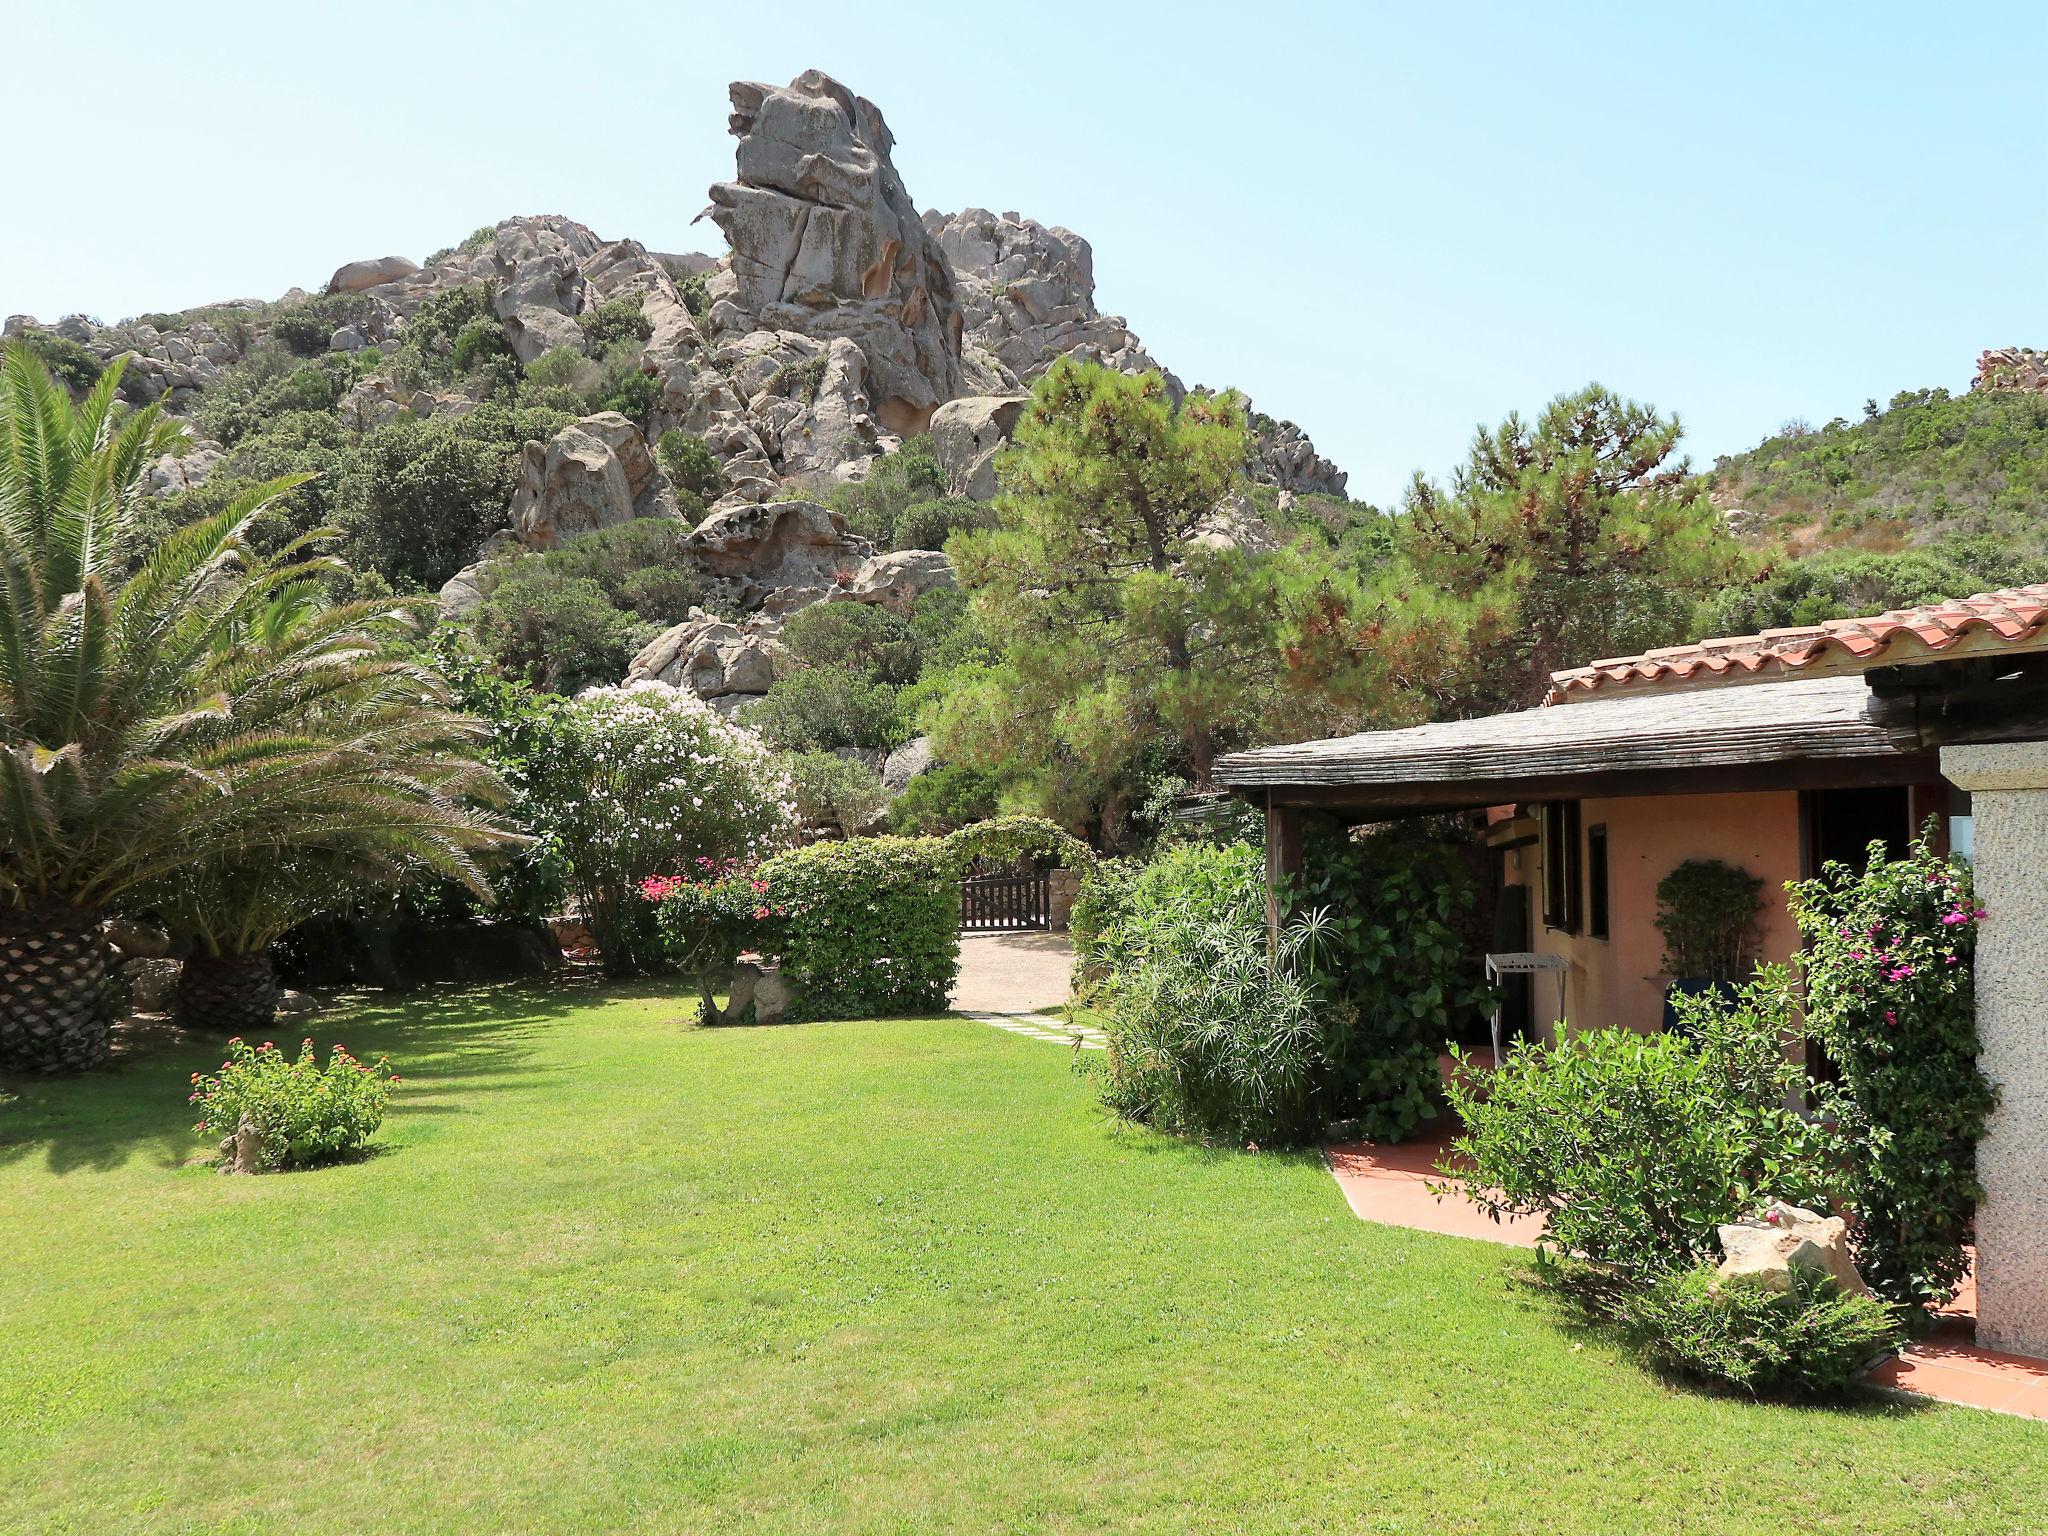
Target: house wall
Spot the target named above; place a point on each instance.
(1619, 979)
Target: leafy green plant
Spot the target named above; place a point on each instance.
(303, 1113)
(1213, 1032)
(1003, 841)
(821, 709)
(1637, 1147)
(1809, 1341)
(612, 321)
(943, 799)
(1396, 978)
(895, 482)
(692, 469)
(1707, 911)
(871, 927)
(1890, 995)
(70, 364)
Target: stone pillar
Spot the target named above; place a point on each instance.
(2008, 785)
(1062, 889)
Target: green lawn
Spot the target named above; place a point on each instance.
(612, 1274)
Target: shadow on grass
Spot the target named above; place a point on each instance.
(474, 1036)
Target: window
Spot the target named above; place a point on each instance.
(1596, 882)
(1561, 872)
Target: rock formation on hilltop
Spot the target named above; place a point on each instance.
(826, 242)
(840, 322)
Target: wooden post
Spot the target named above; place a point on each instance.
(1283, 857)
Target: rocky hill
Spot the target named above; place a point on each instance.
(840, 323)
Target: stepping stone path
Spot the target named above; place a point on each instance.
(1038, 1026)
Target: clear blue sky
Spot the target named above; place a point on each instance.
(1388, 222)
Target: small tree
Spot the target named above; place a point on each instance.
(1707, 910)
(1890, 995)
(1115, 620)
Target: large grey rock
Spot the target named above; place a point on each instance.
(1765, 1250)
(176, 472)
(710, 657)
(898, 579)
(966, 436)
(907, 762)
(825, 240)
(1283, 456)
(780, 554)
(594, 473)
(1027, 292)
(373, 273)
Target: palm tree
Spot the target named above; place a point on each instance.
(180, 712)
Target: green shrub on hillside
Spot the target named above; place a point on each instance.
(417, 496)
(1849, 583)
(1930, 463)
(894, 483)
(69, 363)
(841, 794)
(943, 800)
(872, 927)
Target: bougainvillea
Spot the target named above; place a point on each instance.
(1890, 996)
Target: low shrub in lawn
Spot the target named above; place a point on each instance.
(870, 926)
(1804, 1342)
(1637, 1147)
(302, 1113)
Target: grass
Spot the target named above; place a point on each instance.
(611, 1274)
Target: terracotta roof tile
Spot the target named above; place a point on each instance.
(2017, 617)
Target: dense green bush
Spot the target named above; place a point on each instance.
(841, 794)
(1396, 978)
(271, 383)
(942, 800)
(1005, 842)
(641, 782)
(1707, 911)
(1890, 995)
(821, 709)
(1637, 1147)
(308, 326)
(69, 363)
(575, 614)
(303, 1113)
(1847, 583)
(612, 321)
(1212, 1032)
(894, 483)
(417, 496)
(453, 334)
(871, 927)
(928, 524)
(1809, 1341)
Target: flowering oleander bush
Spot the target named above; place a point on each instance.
(708, 919)
(869, 928)
(638, 782)
(303, 1112)
(1890, 995)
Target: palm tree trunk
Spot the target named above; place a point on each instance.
(228, 994)
(54, 1012)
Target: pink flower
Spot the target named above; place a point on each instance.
(1950, 919)
(1891, 1018)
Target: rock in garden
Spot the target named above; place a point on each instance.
(898, 579)
(710, 657)
(914, 757)
(791, 551)
(1764, 1250)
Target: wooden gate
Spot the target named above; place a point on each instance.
(998, 903)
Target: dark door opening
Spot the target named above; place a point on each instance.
(1841, 824)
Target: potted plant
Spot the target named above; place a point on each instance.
(1707, 911)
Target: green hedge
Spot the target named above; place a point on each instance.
(871, 926)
